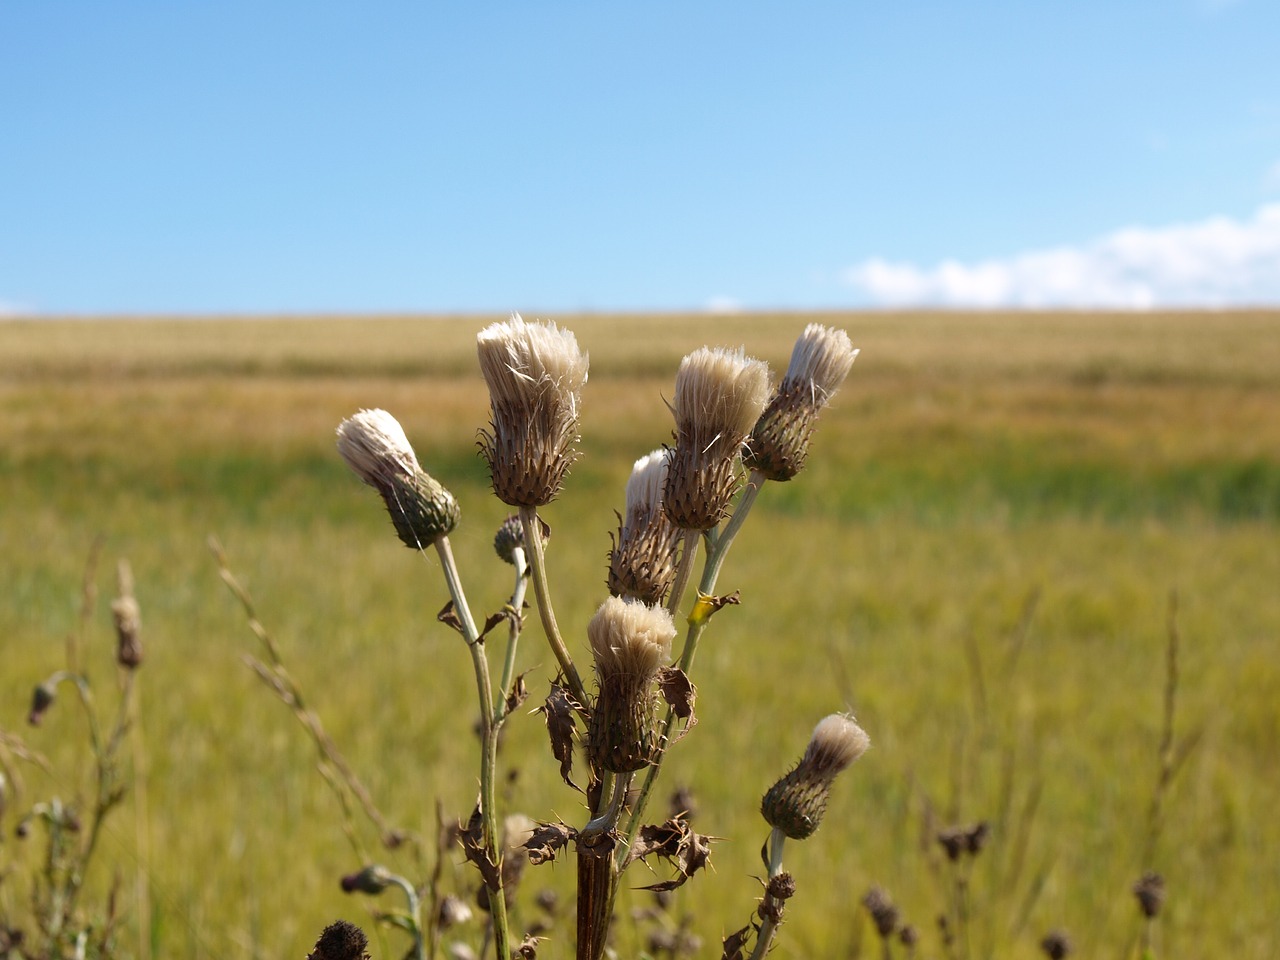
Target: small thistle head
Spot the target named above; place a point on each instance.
(820, 361)
(1056, 945)
(796, 803)
(510, 535)
(719, 396)
(535, 373)
(642, 563)
(42, 699)
(371, 880)
(630, 642)
(884, 914)
(340, 941)
(1150, 893)
(375, 447)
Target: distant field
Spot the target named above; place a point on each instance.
(1078, 467)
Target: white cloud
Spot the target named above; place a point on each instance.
(1271, 180)
(1215, 262)
(723, 305)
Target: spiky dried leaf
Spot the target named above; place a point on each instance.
(675, 842)
(559, 710)
(518, 695)
(680, 693)
(471, 838)
(548, 840)
(449, 617)
(735, 944)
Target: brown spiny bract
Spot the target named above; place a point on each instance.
(535, 373)
(642, 563)
(796, 803)
(1150, 893)
(374, 445)
(719, 396)
(630, 641)
(779, 442)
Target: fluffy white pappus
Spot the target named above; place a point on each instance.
(720, 392)
(375, 447)
(630, 637)
(520, 360)
(820, 361)
(837, 741)
(644, 486)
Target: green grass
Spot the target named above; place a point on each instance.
(972, 461)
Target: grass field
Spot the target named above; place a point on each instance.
(1069, 470)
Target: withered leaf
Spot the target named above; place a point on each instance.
(559, 710)
(706, 605)
(548, 839)
(471, 837)
(735, 944)
(676, 843)
(679, 692)
(519, 693)
(528, 949)
(449, 617)
(492, 621)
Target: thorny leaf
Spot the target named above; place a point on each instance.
(449, 617)
(493, 620)
(547, 840)
(679, 692)
(559, 710)
(471, 837)
(519, 693)
(735, 944)
(706, 605)
(676, 843)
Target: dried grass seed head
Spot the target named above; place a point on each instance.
(719, 396)
(820, 361)
(535, 374)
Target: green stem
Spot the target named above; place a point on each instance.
(489, 744)
(513, 634)
(538, 566)
(415, 915)
(688, 554)
(764, 939)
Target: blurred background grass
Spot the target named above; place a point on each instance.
(975, 467)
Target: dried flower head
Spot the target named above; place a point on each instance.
(340, 941)
(820, 361)
(42, 699)
(535, 374)
(642, 562)
(511, 535)
(373, 879)
(1056, 945)
(127, 616)
(796, 803)
(1150, 893)
(630, 641)
(375, 447)
(883, 912)
(719, 396)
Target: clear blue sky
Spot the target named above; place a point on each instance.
(287, 157)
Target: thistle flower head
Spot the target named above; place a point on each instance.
(127, 616)
(797, 802)
(642, 562)
(535, 373)
(1150, 892)
(719, 395)
(375, 447)
(820, 361)
(630, 641)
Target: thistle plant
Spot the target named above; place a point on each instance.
(682, 502)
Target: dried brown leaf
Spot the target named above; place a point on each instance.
(680, 693)
(449, 617)
(548, 839)
(471, 838)
(560, 710)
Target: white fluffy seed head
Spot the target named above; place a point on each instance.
(837, 741)
(644, 487)
(630, 638)
(375, 448)
(720, 392)
(820, 361)
(521, 360)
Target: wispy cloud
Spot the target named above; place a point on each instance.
(723, 305)
(1216, 262)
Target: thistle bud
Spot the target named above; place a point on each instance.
(1056, 945)
(719, 396)
(1150, 893)
(375, 447)
(884, 914)
(511, 535)
(820, 361)
(630, 641)
(41, 700)
(796, 803)
(128, 620)
(372, 880)
(642, 562)
(535, 374)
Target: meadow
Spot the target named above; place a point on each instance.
(978, 561)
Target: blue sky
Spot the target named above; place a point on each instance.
(246, 157)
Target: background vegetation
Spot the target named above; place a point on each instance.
(978, 561)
